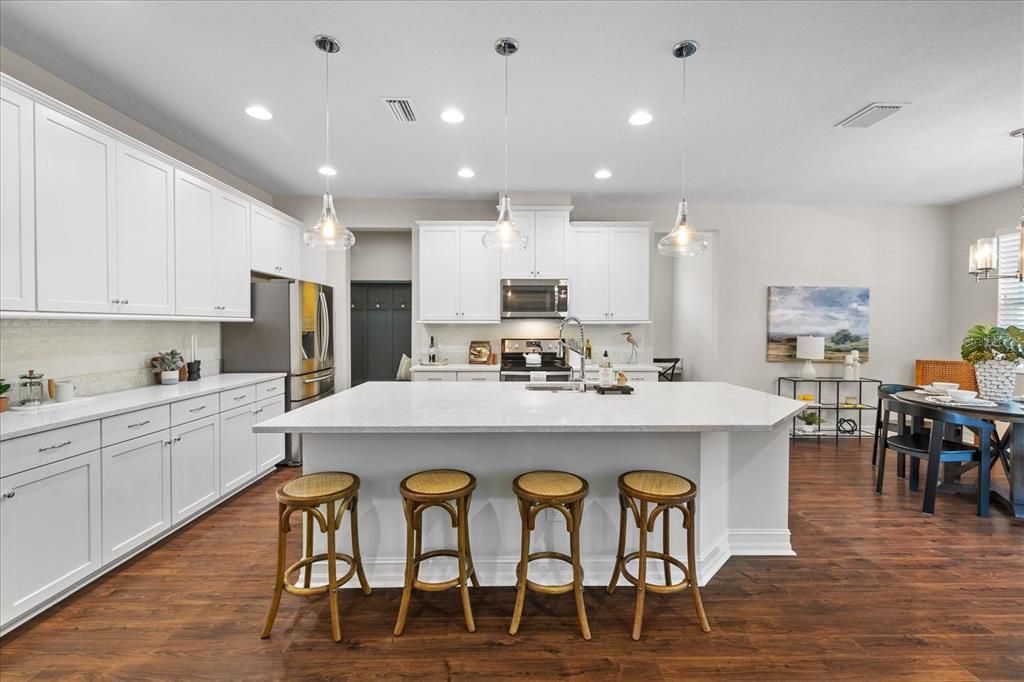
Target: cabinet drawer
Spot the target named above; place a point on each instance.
(269, 389)
(27, 452)
(123, 427)
(237, 397)
(478, 376)
(194, 408)
(641, 376)
(435, 376)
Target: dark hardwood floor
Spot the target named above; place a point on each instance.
(878, 591)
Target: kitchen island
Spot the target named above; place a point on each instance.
(733, 442)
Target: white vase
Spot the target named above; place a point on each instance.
(996, 380)
(169, 378)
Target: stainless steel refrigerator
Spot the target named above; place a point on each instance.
(292, 333)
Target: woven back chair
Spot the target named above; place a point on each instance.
(954, 371)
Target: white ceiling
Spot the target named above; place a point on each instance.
(766, 87)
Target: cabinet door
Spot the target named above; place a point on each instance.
(312, 263)
(144, 242)
(549, 240)
(520, 264)
(274, 244)
(17, 203)
(49, 531)
(269, 446)
(193, 245)
(75, 200)
(479, 277)
(136, 493)
(588, 290)
(628, 273)
(439, 273)
(230, 255)
(195, 467)
(237, 448)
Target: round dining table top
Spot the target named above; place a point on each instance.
(1012, 411)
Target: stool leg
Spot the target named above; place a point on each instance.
(282, 546)
(357, 556)
(467, 610)
(576, 512)
(622, 545)
(332, 574)
(524, 562)
(307, 551)
(664, 545)
(417, 545)
(410, 531)
(469, 550)
(691, 563)
(641, 584)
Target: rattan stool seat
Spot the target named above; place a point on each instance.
(549, 485)
(316, 487)
(656, 485)
(438, 482)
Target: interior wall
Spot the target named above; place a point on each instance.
(380, 255)
(975, 302)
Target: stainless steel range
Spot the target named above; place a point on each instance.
(532, 359)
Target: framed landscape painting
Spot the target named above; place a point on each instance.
(840, 314)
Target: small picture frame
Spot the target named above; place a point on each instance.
(479, 352)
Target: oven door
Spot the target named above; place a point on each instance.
(524, 375)
(534, 298)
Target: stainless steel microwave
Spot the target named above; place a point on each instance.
(534, 298)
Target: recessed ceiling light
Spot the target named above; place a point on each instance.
(640, 118)
(603, 174)
(452, 116)
(259, 112)
(466, 173)
(327, 170)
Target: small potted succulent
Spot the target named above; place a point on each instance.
(4, 400)
(996, 353)
(809, 422)
(166, 365)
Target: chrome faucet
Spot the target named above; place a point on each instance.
(563, 345)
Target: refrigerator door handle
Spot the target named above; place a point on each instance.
(316, 380)
(325, 334)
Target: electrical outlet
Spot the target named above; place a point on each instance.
(553, 516)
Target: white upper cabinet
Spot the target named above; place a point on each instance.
(193, 245)
(144, 242)
(544, 255)
(230, 255)
(459, 278)
(312, 264)
(610, 272)
(75, 214)
(275, 243)
(17, 203)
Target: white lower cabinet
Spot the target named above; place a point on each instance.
(237, 448)
(195, 467)
(136, 493)
(269, 446)
(50, 531)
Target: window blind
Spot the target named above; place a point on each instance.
(1011, 292)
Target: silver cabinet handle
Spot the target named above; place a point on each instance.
(115, 300)
(378, 305)
(135, 426)
(434, 379)
(238, 397)
(124, 300)
(178, 439)
(9, 494)
(167, 442)
(271, 389)
(55, 447)
(403, 305)
(198, 409)
(259, 411)
(478, 379)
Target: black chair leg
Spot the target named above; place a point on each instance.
(881, 462)
(915, 473)
(931, 485)
(878, 437)
(901, 465)
(984, 473)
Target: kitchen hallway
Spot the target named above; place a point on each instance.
(877, 590)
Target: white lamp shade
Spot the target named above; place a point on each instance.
(810, 347)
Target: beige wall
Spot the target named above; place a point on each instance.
(382, 255)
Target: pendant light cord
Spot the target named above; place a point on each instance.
(1022, 182)
(506, 125)
(327, 117)
(682, 174)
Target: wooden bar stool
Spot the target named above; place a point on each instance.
(339, 491)
(563, 492)
(437, 488)
(666, 492)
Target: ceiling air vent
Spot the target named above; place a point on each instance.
(401, 109)
(869, 115)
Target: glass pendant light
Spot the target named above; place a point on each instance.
(983, 258)
(682, 240)
(505, 236)
(328, 232)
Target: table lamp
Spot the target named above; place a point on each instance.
(810, 348)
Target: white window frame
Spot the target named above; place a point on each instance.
(1009, 291)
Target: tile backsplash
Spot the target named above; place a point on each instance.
(100, 356)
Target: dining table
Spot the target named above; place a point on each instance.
(1008, 447)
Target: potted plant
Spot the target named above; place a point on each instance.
(4, 400)
(167, 365)
(809, 422)
(995, 352)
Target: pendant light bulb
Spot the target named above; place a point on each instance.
(505, 236)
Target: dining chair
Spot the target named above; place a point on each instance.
(667, 373)
(886, 391)
(935, 447)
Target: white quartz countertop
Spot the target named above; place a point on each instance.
(24, 423)
(625, 367)
(455, 367)
(507, 407)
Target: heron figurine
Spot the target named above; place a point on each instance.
(631, 340)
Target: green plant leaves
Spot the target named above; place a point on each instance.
(987, 342)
